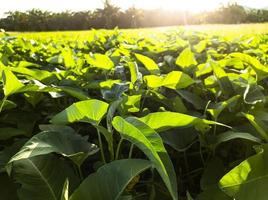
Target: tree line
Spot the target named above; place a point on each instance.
(111, 16)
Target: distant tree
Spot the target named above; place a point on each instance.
(111, 16)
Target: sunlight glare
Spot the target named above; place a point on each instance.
(185, 5)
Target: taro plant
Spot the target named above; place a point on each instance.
(127, 116)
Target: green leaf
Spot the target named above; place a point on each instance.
(90, 111)
(173, 80)
(100, 61)
(148, 63)
(68, 58)
(180, 139)
(219, 107)
(11, 83)
(249, 179)
(110, 180)
(43, 177)
(131, 103)
(68, 144)
(201, 46)
(186, 58)
(148, 141)
(162, 121)
(75, 92)
(253, 94)
(192, 98)
(258, 125)
(37, 74)
(134, 72)
(223, 78)
(260, 69)
(231, 135)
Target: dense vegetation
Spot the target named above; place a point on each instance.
(112, 16)
(121, 116)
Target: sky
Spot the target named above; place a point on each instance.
(79, 5)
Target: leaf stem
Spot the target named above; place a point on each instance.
(80, 173)
(101, 146)
(118, 148)
(2, 104)
(131, 151)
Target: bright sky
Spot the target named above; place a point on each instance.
(76, 5)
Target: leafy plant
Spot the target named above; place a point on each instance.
(121, 115)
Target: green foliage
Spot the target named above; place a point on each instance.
(121, 115)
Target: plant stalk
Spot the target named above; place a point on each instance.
(101, 146)
(118, 148)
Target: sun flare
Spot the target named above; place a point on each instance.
(185, 5)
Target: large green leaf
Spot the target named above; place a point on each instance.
(161, 121)
(186, 58)
(110, 180)
(249, 180)
(172, 80)
(66, 143)
(147, 140)
(100, 61)
(43, 177)
(91, 111)
(148, 63)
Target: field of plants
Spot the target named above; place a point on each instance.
(135, 114)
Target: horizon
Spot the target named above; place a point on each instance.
(83, 5)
